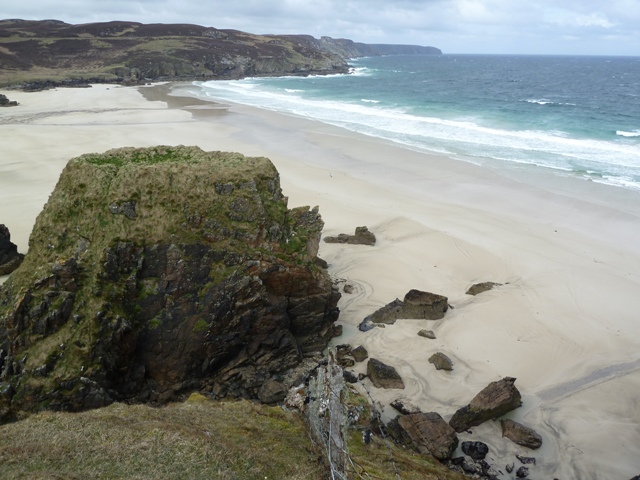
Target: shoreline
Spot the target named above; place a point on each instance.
(563, 248)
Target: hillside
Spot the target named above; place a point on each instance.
(38, 54)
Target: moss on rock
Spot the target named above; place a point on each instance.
(149, 270)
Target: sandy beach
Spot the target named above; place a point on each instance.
(564, 322)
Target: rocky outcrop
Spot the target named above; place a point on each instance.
(153, 272)
(493, 401)
(362, 236)
(417, 305)
(10, 259)
(478, 288)
(383, 375)
(441, 361)
(518, 433)
(429, 434)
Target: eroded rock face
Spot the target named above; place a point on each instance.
(518, 433)
(383, 375)
(430, 434)
(10, 259)
(211, 285)
(493, 401)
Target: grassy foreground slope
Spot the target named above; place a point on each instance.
(197, 439)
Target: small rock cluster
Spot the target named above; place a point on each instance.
(428, 432)
(5, 102)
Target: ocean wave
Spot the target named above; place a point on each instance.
(622, 133)
(293, 90)
(466, 137)
(359, 72)
(548, 102)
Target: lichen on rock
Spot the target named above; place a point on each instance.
(153, 272)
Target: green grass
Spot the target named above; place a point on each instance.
(198, 439)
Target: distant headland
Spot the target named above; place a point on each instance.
(40, 54)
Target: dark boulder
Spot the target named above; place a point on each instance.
(383, 375)
(493, 401)
(360, 354)
(476, 450)
(441, 361)
(362, 236)
(5, 102)
(427, 334)
(518, 433)
(349, 376)
(475, 468)
(429, 434)
(526, 460)
(10, 259)
(522, 472)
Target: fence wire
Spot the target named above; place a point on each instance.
(328, 420)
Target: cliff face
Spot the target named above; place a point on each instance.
(152, 272)
(51, 52)
(346, 48)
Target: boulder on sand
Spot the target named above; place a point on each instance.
(429, 434)
(383, 375)
(493, 401)
(518, 433)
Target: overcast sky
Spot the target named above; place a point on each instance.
(585, 27)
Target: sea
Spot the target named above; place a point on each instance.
(571, 115)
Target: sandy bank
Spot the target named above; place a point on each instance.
(564, 323)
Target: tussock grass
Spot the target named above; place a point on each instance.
(195, 439)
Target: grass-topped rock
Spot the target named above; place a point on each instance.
(153, 272)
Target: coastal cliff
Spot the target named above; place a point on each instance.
(41, 54)
(154, 272)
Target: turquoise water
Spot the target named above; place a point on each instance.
(575, 115)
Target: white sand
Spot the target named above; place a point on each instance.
(566, 322)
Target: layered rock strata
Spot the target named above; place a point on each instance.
(153, 272)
